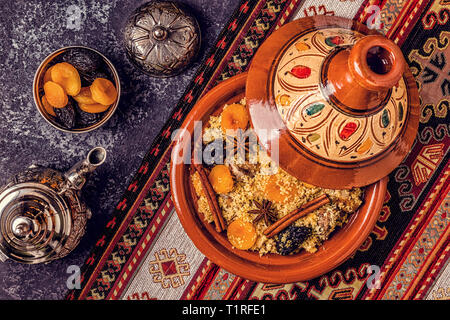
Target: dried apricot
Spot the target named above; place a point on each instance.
(93, 108)
(241, 234)
(55, 94)
(84, 96)
(103, 91)
(67, 76)
(221, 179)
(48, 75)
(277, 190)
(234, 117)
(47, 106)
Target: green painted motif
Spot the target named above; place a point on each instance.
(314, 108)
(400, 111)
(385, 118)
(313, 137)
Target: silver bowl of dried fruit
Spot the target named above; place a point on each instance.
(76, 89)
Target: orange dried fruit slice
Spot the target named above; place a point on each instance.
(67, 76)
(234, 116)
(48, 75)
(55, 94)
(85, 96)
(278, 190)
(103, 91)
(93, 108)
(241, 234)
(47, 106)
(221, 179)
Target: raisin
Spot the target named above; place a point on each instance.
(84, 60)
(66, 116)
(289, 240)
(213, 153)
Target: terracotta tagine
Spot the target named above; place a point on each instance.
(338, 98)
(335, 104)
(42, 214)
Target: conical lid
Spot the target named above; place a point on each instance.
(333, 102)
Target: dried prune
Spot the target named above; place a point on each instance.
(84, 60)
(55, 94)
(66, 116)
(89, 77)
(67, 76)
(103, 91)
(86, 119)
(289, 240)
(213, 153)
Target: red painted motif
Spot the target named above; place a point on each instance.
(348, 130)
(301, 72)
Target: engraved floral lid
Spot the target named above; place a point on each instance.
(162, 38)
(339, 97)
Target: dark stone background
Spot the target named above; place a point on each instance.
(29, 31)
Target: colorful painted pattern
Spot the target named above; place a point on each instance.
(137, 252)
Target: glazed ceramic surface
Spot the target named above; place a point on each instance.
(271, 268)
(316, 124)
(339, 95)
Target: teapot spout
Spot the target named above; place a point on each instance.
(77, 175)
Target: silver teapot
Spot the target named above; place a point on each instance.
(42, 215)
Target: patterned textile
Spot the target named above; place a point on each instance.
(144, 252)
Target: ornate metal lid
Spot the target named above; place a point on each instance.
(162, 38)
(339, 96)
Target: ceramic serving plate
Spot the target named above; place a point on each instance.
(269, 268)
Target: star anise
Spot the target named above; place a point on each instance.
(237, 145)
(264, 211)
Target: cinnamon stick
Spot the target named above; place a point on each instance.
(290, 218)
(211, 198)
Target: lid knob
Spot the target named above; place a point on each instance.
(358, 79)
(22, 227)
(159, 33)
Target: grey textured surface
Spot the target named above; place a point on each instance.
(29, 31)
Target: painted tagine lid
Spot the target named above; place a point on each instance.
(333, 102)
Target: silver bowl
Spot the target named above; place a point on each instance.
(38, 90)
